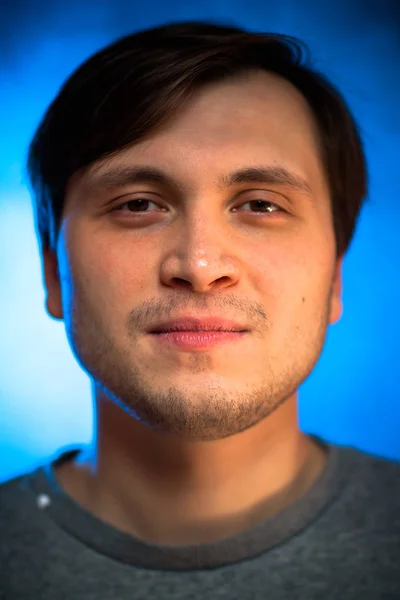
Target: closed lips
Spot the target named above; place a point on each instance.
(193, 324)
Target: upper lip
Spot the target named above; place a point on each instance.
(198, 324)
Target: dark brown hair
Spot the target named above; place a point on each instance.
(130, 88)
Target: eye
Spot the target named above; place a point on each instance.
(138, 205)
(262, 206)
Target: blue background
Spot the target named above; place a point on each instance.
(352, 397)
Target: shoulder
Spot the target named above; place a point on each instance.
(371, 467)
(18, 510)
(372, 493)
(12, 493)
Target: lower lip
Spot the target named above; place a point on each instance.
(199, 340)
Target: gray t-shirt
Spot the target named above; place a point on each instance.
(341, 540)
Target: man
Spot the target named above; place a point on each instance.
(196, 190)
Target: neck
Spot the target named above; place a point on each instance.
(171, 492)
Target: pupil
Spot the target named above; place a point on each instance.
(137, 204)
(260, 204)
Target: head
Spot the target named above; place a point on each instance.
(142, 219)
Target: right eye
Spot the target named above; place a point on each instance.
(138, 205)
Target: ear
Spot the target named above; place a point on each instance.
(52, 283)
(336, 293)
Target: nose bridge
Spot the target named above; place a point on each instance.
(202, 233)
(201, 253)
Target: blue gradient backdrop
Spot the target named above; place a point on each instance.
(352, 397)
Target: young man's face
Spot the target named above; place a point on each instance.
(196, 248)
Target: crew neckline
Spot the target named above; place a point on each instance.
(105, 539)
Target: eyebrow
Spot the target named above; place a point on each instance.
(270, 174)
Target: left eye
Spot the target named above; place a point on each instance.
(260, 205)
(142, 203)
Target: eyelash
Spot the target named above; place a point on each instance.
(116, 208)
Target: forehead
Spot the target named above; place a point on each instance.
(256, 109)
(254, 118)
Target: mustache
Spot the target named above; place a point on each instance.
(227, 305)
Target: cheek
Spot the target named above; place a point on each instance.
(294, 282)
(116, 272)
(283, 269)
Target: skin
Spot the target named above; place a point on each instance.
(191, 447)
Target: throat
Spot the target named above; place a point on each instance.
(143, 518)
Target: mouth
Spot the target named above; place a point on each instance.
(201, 325)
(196, 340)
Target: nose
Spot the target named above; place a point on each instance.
(202, 259)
